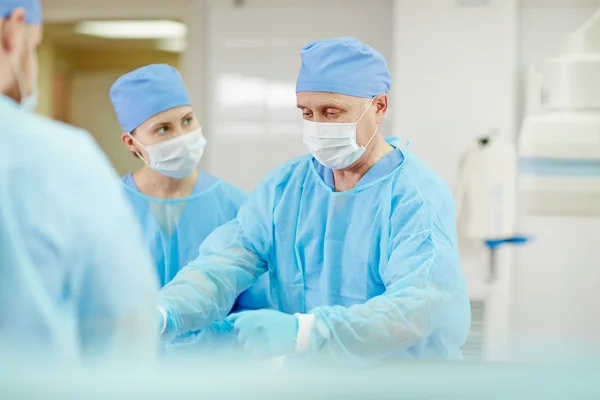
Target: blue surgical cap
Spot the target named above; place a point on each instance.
(33, 11)
(145, 92)
(343, 65)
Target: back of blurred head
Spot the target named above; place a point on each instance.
(20, 36)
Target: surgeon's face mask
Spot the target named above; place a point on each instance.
(29, 102)
(334, 144)
(177, 157)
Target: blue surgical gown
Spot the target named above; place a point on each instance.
(75, 278)
(174, 229)
(377, 266)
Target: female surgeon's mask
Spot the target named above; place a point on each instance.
(334, 144)
(177, 157)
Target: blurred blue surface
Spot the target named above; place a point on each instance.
(399, 380)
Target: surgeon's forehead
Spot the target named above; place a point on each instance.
(315, 100)
(169, 116)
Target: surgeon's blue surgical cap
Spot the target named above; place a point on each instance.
(145, 92)
(343, 65)
(33, 11)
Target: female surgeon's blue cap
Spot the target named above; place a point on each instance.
(33, 11)
(343, 65)
(145, 92)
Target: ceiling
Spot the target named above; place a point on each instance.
(64, 36)
(559, 3)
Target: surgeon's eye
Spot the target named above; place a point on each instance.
(307, 114)
(163, 129)
(332, 114)
(188, 121)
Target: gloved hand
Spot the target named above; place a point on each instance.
(161, 321)
(166, 327)
(266, 333)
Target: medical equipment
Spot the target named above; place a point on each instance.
(487, 196)
(493, 246)
(560, 150)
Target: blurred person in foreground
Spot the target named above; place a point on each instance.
(358, 238)
(176, 203)
(75, 279)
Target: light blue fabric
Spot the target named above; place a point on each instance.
(174, 228)
(378, 265)
(266, 333)
(385, 166)
(204, 182)
(145, 92)
(343, 65)
(173, 231)
(74, 274)
(33, 11)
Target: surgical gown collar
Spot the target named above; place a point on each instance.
(381, 170)
(204, 184)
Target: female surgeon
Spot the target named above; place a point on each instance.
(177, 204)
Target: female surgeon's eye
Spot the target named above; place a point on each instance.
(188, 121)
(163, 129)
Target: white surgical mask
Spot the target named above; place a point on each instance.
(334, 144)
(177, 157)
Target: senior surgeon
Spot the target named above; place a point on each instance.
(358, 238)
(71, 288)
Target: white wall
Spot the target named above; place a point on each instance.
(251, 59)
(556, 278)
(454, 73)
(92, 110)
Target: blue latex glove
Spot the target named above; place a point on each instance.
(266, 333)
(218, 339)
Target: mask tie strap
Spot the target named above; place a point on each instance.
(376, 127)
(139, 144)
(367, 108)
(372, 136)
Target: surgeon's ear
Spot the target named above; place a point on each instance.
(381, 104)
(128, 142)
(12, 30)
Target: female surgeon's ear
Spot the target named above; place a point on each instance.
(11, 29)
(128, 142)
